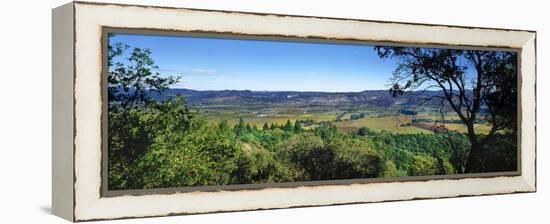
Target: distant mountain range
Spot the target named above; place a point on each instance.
(381, 98)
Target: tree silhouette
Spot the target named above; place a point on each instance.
(134, 120)
(129, 83)
(475, 84)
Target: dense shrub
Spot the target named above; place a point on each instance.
(163, 144)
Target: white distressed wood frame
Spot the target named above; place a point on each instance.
(77, 150)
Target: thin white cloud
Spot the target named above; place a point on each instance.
(204, 71)
(192, 72)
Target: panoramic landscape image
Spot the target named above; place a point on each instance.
(191, 111)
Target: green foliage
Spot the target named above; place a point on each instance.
(327, 131)
(161, 144)
(423, 166)
(201, 156)
(358, 116)
(309, 153)
(491, 94)
(129, 82)
(135, 122)
(134, 132)
(257, 165)
(390, 169)
(288, 126)
(166, 145)
(364, 131)
(338, 159)
(240, 127)
(355, 158)
(298, 127)
(499, 154)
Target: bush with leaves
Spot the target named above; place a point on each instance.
(335, 159)
(258, 165)
(423, 166)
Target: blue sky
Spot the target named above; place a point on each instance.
(220, 64)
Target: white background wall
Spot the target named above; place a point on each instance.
(25, 112)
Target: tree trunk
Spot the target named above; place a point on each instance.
(472, 162)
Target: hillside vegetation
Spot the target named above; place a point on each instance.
(160, 137)
(167, 145)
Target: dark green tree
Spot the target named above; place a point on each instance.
(364, 131)
(240, 127)
(288, 126)
(491, 84)
(223, 125)
(134, 120)
(265, 127)
(129, 83)
(298, 127)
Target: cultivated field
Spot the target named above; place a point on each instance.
(376, 119)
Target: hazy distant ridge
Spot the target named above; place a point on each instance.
(248, 97)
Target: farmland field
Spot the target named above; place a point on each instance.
(190, 111)
(378, 119)
(394, 124)
(259, 119)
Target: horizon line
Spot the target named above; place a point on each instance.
(306, 91)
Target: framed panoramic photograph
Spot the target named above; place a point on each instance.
(183, 111)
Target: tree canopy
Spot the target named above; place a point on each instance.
(168, 143)
(475, 84)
